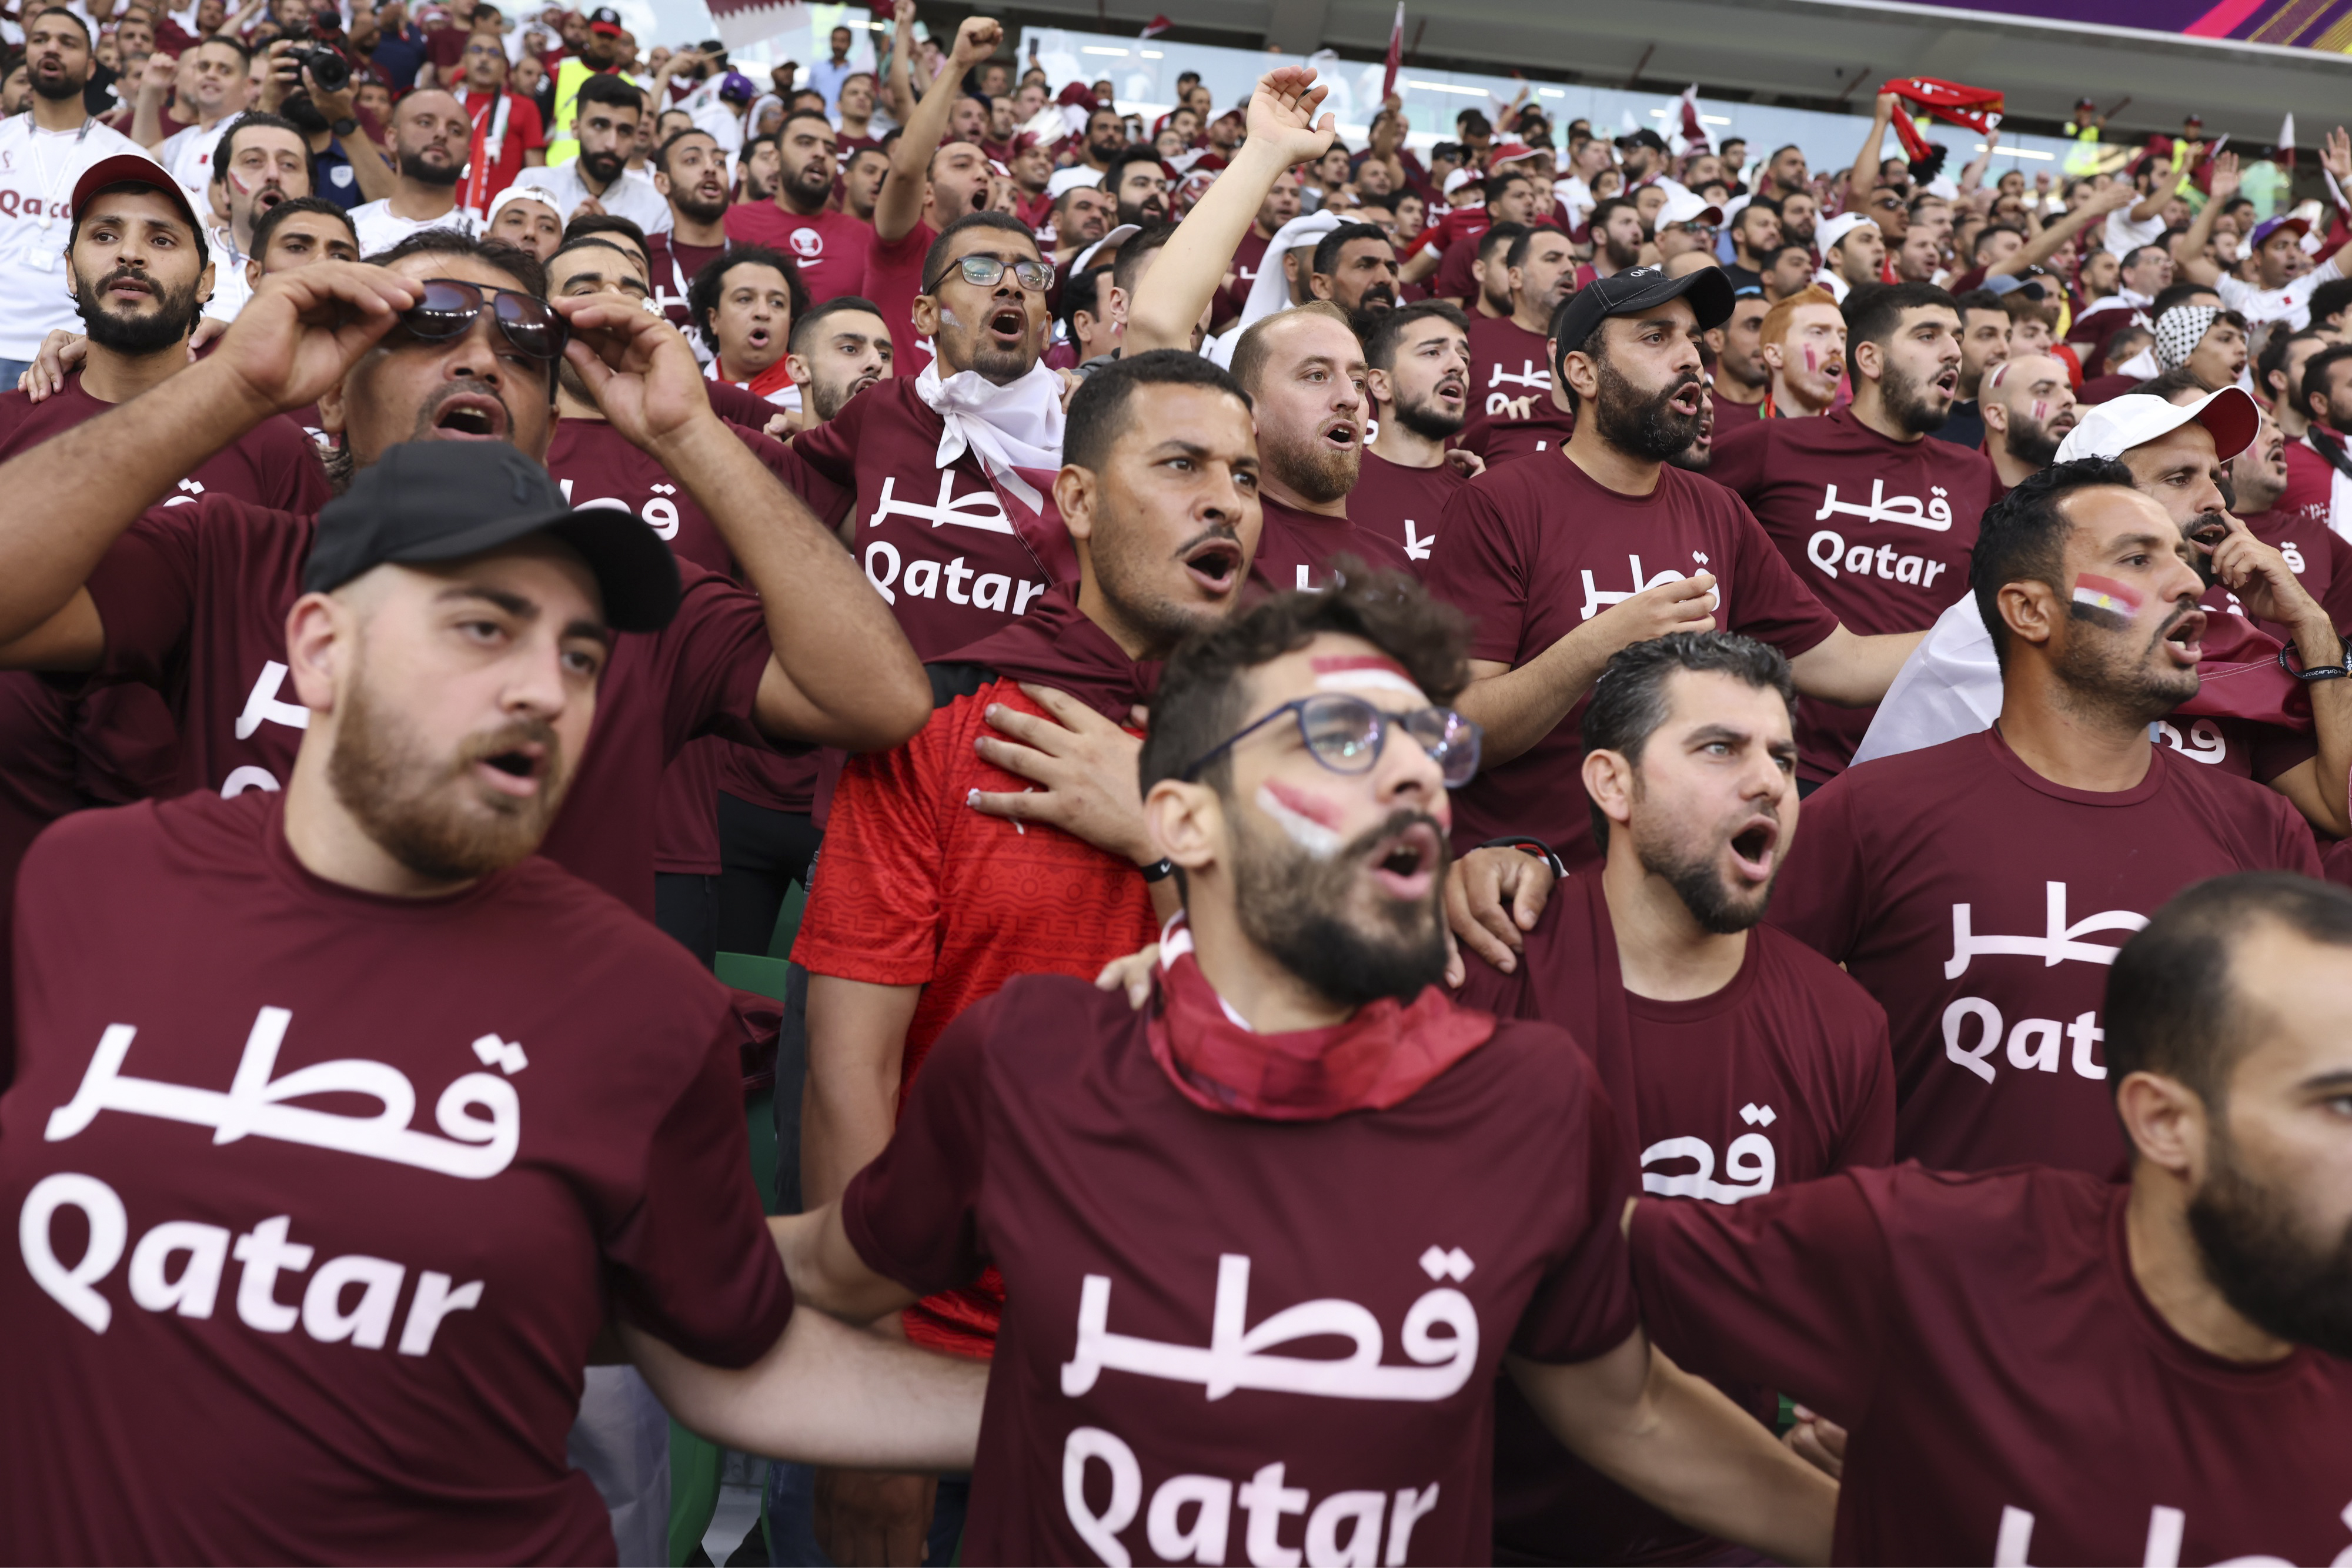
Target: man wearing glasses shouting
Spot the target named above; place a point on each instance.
(1293, 1140)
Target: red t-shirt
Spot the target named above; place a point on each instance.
(195, 600)
(525, 133)
(1981, 905)
(1881, 530)
(2011, 1395)
(1403, 504)
(1501, 440)
(935, 542)
(828, 246)
(597, 466)
(893, 275)
(1534, 550)
(1780, 1077)
(1295, 548)
(914, 888)
(1047, 1141)
(1508, 363)
(673, 266)
(384, 1363)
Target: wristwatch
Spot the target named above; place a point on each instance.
(346, 126)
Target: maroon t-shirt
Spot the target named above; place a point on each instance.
(673, 266)
(935, 542)
(1778, 1078)
(2310, 484)
(2246, 747)
(325, 1323)
(1296, 549)
(2320, 558)
(1880, 529)
(1500, 439)
(1248, 257)
(1981, 905)
(2013, 1395)
(1403, 504)
(1151, 1247)
(1533, 550)
(1508, 363)
(1730, 416)
(194, 599)
(829, 248)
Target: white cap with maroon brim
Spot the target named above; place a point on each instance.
(1685, 206)
(2113, 428)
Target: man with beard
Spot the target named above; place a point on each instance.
(1281, 205)
(2207, 1295)
(837, 351)
(262, 160)
(1853, 253)
(453, 639)
(1788, 272)
(926, 905)
(1442, 252)
(1565, 557)
(1739, 1061)
(598, 53)
(1876, 520)
(1081, 217)
(1416, 371)
(691, 172)
(44, 154)
(1985, 342)
(430, 131)
(1297, 772)
(2319, 472)
(930, 188)
(1742, 380)
(1492, 270)
(862, 174)
(1138, 184)
(599, 181)
(1801, 341)
(504, 135)
(2320, 558)
(1509, 361)
(2028, 407)
(596, 465)
(1755, 236)
(1617, 240)
(1303, 367)
(1354, 268)
(2284, 277)
(828, 244)
(1104, 139)
(2091, 603)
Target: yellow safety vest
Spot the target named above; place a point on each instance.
(563, 146)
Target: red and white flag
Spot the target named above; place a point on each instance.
(1694, 135)
(2285, 151)
(1157, 26)
(1396, 55)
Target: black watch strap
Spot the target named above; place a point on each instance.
(346, 126)
(1527, 844)
(2334, 672)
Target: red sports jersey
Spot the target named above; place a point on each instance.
(1981, 905)
(914, 888)
(1403, 504)
(2013, 1395)
(893, 276)
(828, 247)
(1168, 1387)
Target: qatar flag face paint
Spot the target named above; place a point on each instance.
(1360, 673)
(1312, 822)
(2041, 411)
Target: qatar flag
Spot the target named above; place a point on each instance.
(1157, 26)
(1396, 55)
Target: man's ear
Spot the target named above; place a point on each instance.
(1186, 822)
(2032, 610)
(317, 630)
(1609, 781)
(1075, 489)
(1996, 417)
(1584, 378)
(1319, 284)
(927, 316)
(2167, 1122)
(1772, 356)
(1870, 368)
(1381, 384)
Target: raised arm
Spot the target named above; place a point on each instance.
(147, 116)
(2053, 238)
(1675, 1440)
(2188, 249)
(1865, 163)
(1283, 131)
(841, 673)
(294, 340)
(901, 205)
(1973, 176)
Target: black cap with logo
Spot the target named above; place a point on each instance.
(1639, 289)
(428, 501)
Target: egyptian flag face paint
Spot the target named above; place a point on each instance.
(2104, 601)
(1312, 821)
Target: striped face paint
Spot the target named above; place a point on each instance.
(2104, 601)
(1312, 822)
(1364, 673)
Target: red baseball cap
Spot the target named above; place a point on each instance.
(135, 169)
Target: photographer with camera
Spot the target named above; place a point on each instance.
(310, 82)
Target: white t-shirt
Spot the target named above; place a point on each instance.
(380, 228)
(37, 171)
(2125, 236)
(230, 291)
(632, 197)
(2291, 304)
(188, 153)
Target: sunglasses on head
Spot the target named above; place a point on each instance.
(984, 271)
(450, 306)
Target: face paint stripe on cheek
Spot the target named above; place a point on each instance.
(2106, 601)
(1311, 821)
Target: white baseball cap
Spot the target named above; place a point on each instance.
(1683, 206)
(2113, 428)
(1118, 235)
(1832, 230)
(1456, 179)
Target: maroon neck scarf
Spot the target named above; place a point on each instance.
(1055, 645)
(2238, 676)
(1379, 1058)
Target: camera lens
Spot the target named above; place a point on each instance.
(328, 68)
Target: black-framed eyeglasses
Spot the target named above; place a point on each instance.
(451, 305)
(983, 271)
(1345, 733)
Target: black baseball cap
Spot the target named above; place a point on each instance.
(426, 501)
(1645, 137)
(1638, 288)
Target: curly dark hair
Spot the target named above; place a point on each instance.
(1204, 694)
